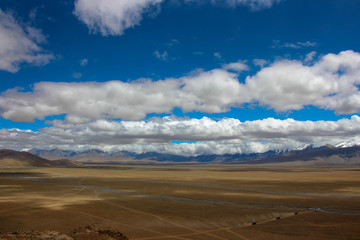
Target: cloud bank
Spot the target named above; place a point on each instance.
(211, 91)
(330, 83)
(210, 136)
(113, 17)
(20, 43)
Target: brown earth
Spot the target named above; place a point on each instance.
(11, 158)
(185, 202)
(94, 231)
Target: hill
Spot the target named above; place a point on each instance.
(11, 158)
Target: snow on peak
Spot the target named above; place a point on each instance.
(349, 143)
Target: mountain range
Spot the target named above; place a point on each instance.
(309, 155)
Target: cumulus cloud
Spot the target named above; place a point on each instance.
(207, 136)
(112, 17)
(212, 91)
(20, 43)
(329, 83)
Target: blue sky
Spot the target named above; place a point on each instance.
(235, 76)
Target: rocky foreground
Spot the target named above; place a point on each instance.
(91, 232)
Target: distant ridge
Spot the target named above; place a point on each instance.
(327, 154)
(11, 158)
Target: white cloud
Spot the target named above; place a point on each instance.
(260, 62)
(307, 44)
(209, 136)
(238, 66)
(253, 4)
(297, 45)
(330, 83)
(112, 17)
(217, 55)
(19, 44)
(173, 42)
(161, 56)
(84, 62)
(212, 91)
(310, 57)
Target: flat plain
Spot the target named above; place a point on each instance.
(186, 202)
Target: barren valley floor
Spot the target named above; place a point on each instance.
(186, 202)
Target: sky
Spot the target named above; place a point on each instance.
(183, 77)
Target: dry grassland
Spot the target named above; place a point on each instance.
(185, 202)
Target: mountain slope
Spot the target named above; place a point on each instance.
(10, 158)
